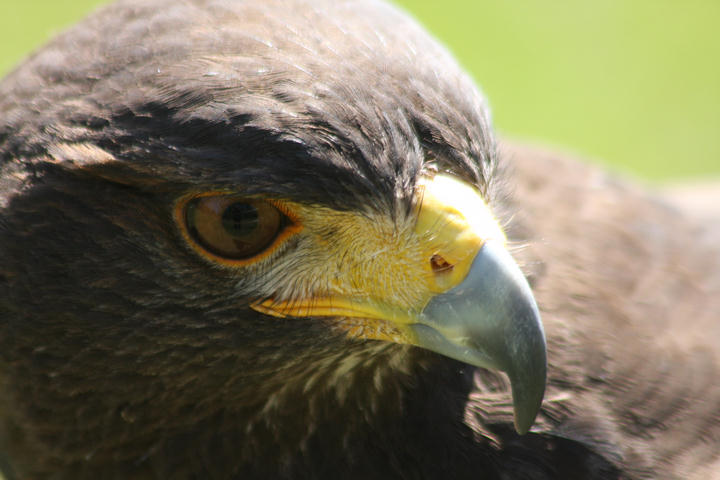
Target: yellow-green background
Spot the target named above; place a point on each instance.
(633, 83)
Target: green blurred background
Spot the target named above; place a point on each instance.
(631, 83)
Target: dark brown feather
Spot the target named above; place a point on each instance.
(630, 291)
(123, 355)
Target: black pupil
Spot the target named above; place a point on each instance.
(240, 219)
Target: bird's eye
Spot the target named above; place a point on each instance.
(232, 228)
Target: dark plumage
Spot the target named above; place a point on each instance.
(125, 354)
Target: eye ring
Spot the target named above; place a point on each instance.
(233, 230)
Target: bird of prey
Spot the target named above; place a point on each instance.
(278, 240)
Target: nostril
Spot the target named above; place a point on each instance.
(439, 264)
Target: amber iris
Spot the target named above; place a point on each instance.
(231, 227)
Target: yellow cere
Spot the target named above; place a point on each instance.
(373, 275)
(456, 221)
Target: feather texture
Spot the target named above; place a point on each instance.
(123, 355)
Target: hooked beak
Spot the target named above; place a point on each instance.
(491, 320)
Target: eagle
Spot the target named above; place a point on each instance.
(278, 239)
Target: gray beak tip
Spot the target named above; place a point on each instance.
(527, 400)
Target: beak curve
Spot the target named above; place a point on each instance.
(491, 320)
